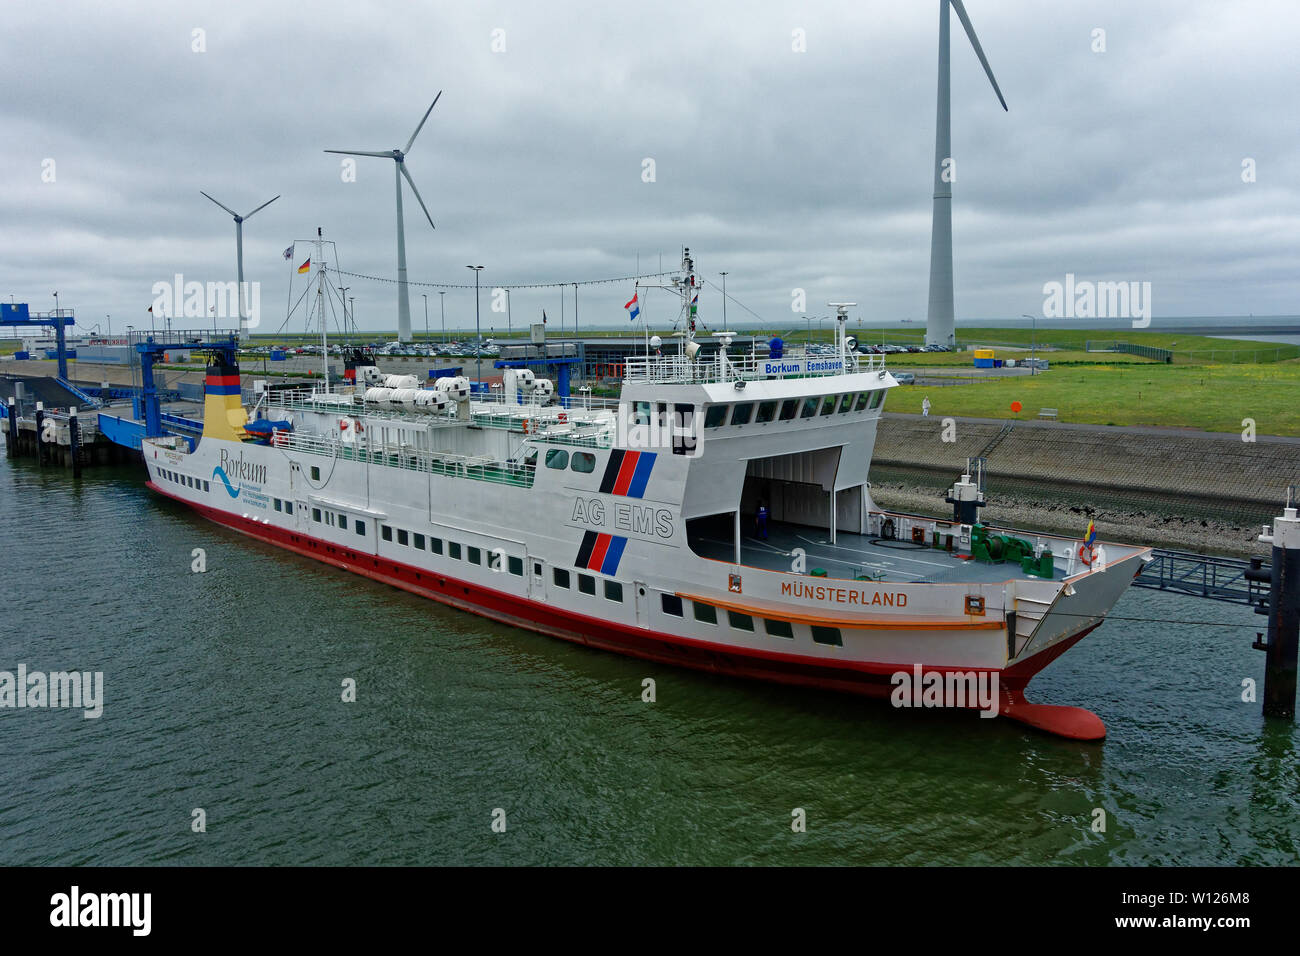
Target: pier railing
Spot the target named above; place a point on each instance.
(1200, 575)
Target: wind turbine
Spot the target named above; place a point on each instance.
(940, 321)
(398, 156)
(239, 248)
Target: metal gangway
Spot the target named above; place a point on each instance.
(1206, 576)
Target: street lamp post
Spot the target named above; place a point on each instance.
(442, 297)
(478, 328)
(425, 296)
(1033, 334)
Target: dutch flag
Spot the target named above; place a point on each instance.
(633, 309)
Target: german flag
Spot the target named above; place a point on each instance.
(305, 267)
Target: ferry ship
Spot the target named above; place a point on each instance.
(631, 525)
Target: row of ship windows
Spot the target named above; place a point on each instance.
(455, 550)
(742, 413)
(587, 584)
(708, 614)
(189, 481)
(672, 604)
(583, 461)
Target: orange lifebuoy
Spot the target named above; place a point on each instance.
(1085, 554)
(528, 425)
(562, 417)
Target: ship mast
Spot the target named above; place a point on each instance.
(320, 308)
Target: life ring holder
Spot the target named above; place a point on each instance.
(563, 418)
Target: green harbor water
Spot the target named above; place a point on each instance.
(222, 691)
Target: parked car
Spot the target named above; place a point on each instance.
(905, 378)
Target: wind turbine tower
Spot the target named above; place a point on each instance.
(940, 321)
(239, 252)
(398, 156)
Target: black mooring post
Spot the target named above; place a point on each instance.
(11, 446)
(1284, 616)
(74, 441)
(40, 423)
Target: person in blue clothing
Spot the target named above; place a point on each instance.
(760, 520)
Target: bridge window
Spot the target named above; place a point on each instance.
(827, 635)
(359, 526)
(560, 577)
(741, 622)
(417, 540)
(766, 412)
(343, 522)
(789, 408)
(584, 462)
(863, 398)
(877, 397)
(557, 458)
(288, 507)
(846, 405)
(715, 416)
(315, 514)
(435, 545)
(586, 584)
(403, 538)
(705, 613)
(613, 591)
(475, 556)
(829, 403)
(672, 604)
(453, 550)
(741, 413)
(778, 628)
(809, 407)
(279, 505)
(516, 566)
(387, 533)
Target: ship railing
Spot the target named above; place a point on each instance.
(678, 369)
(388, 454)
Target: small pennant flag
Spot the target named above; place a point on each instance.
(633, 309)
(1090, 536)
(288, 253)
(150, 309)
(543, 316)
(305, 267)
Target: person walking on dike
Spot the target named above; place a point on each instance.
(925, 406)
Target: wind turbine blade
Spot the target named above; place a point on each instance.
(226, 208)
(979, 52)
(421, 126)
(411, 182)
(260, 208)
(357, 152)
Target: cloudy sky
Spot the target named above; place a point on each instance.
(788, 169)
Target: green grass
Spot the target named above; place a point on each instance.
(1210, 397)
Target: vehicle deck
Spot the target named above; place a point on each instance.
(854, 556)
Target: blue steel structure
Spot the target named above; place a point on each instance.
(152, 347)
(19, 315)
